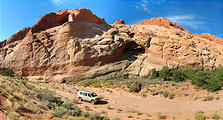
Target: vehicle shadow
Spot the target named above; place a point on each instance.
(102, 102)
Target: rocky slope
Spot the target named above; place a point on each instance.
(76, 44)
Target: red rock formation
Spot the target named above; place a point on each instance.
(50, 20)
(85, 15)
(164, 22)
(2, 44)
(210, 37)
(86, 47)
(15, 37)
(119, 22)
(55, 19)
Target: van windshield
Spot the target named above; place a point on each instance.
(93, 94)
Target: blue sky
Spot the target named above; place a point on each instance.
(198, 16)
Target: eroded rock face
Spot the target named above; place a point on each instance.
(210, 37)
(55, 19)
(76, 44)
(122, 22)
(164, 22)
(16, 37)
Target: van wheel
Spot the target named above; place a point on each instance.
(80, 99)
(92, 102)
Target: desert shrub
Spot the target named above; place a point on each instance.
(85, 114)
(219, 74)
(120, 76)
(109, 107)
(215, 116)
(3, 93)
(160, 116)
(75, 101)
(165, 73)
(106, 118)
(13, 115)
(177, 75)
(59, 111)
(129, 116)
(201, 78)
(96, 116)
(171, 95)
(186, 94)
(46, 95)
(75, 111)
(153, 92)
(50, 105)
(165, 94)
(94, 83)
(207, 79)
(199, 116)
(7, 72)
(155, 74)
(135, 87)
(138, 113)
(189, 73)
(67, 105)
(76, 118)
(208, 98)
(214, 84)
(116, 118)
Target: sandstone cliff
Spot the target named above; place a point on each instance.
(76, 44)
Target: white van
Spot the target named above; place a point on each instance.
(88, 96)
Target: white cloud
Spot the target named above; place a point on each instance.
(59, 2)
(187, 20)
(146, 4)
(143, 4)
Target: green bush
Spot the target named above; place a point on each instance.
(13, 115)
(160, 116)
(116, 118)
(155, 74)
(46, 95)
(199, 116)
(7, 72)
(165, 73)
(171, 95)
(96, 116)
(208, 98)
(75, 111)
(214, 84)
(59, 111)
(50, 105)
(177, 75)
(201, 78)
(67, 105)
(165, 94)
(85, 114)
(135, 87)
(189, 73)
(75, 101)
(120, 76)
(215, 116)
(207, 79)
(219, 74)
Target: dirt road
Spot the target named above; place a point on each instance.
(125, 105)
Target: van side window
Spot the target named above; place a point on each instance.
(81, 93)
(85, 94)
(89, 95)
